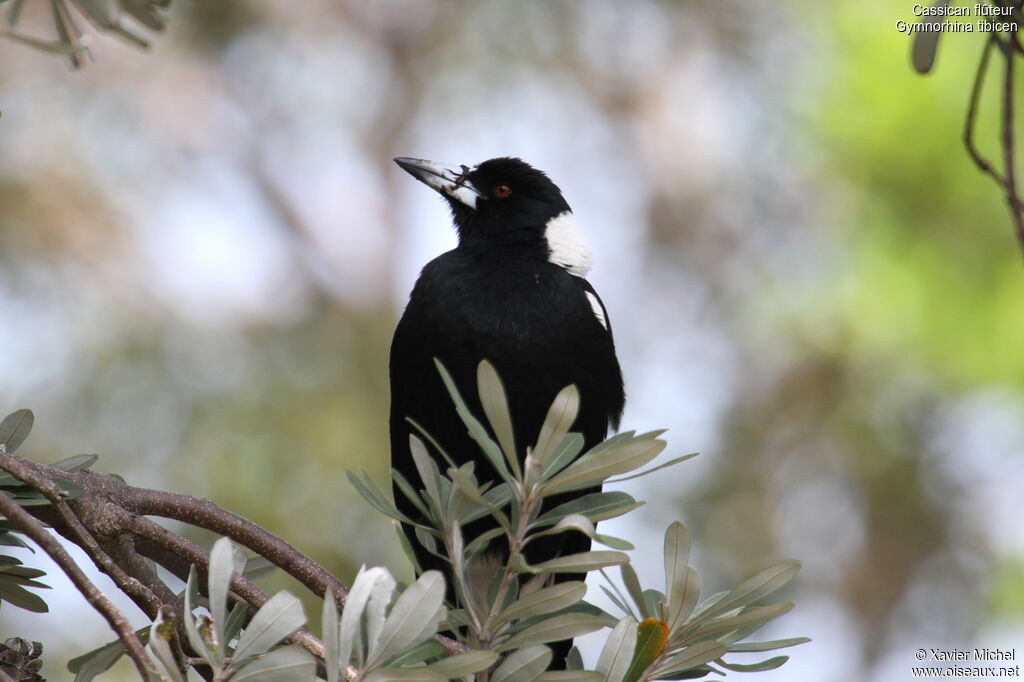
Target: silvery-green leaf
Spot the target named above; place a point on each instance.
(433, 442)
(531, 471)
(692, 657)
(636, 593)
(376, 610)
(376, 584)
(574, 661)
(708, 604)
(476, 430)
(234, 622)
(429, 475)
(469, 487)
(586, 472)
(614, 542)
(218, 585)
(409, 492)
(622, 606)
(413, 618)
(618, 650)
(280, 616)
(87, 666)
(567, 450)
(497, 497)
(458, 503)
(739, 634)
(11, 591)
(690, 594)
(582, 562)
(418, 674)
(76, 463)
(559, 420)
(609, 443)
(769, 645)
(329, 626)
(565, 626)
(403, 542)
(161, 649)
(570, 676)
(760, 666)
(464, 664)
(426, 538)
(671, 463)
(545, 600)
(676, 556)
(14, 429)
(284, 664)
(576, 522)
(595, 506)
(9, 539)
(369, 491)
(760, 585)
(425, 650)
(196, 639)
(365, 584)
(750, 616)
(495, 404)
(256, 567)
(524, 665)
(481, 541)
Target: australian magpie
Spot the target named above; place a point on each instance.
(512, 292)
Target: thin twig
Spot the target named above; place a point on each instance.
(99, 601)
(972, 111)
(1009, 152)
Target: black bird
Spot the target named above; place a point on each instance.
(512, 292)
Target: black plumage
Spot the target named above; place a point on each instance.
(512, 292)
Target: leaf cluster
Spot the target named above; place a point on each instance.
(123, 18)
(670, 634)
(663, 634)
(231, 651)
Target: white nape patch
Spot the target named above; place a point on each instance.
(569, 248)
(595, 305)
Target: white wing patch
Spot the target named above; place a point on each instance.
(595, 305)
(569, 248)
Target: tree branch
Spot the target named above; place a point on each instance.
(139, 592)
(99, 601)
(108, 504)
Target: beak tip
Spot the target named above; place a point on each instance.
(447, 179)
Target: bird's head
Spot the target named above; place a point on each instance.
(507, 201)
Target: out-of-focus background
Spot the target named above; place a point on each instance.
(204, 250)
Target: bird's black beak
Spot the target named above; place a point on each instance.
(451, 180)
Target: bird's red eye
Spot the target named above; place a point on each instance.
(502, 191)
